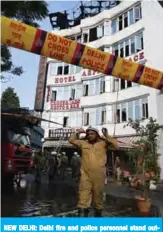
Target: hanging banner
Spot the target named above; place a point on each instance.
(22, 36)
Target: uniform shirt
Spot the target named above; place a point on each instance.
(94, 155)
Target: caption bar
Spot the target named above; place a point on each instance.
(81, 224)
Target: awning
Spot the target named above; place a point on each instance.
(127, 141)
(123, 142)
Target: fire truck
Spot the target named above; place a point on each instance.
(16, 150)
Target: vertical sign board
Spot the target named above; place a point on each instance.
(41, 83)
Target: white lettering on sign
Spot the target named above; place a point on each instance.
(63, 80)
(137, 57)
(65, 105)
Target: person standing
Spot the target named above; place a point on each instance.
(118, 168)
(93, 168)
(75, 165)
(64, 164)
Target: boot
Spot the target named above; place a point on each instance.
(83, 212)
(98, 213)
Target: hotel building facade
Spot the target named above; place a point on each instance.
(76, 97)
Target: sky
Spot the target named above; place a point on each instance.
(25, 85)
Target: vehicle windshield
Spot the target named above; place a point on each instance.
(20, 139)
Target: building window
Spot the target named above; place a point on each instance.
(103, 117)
(124, 112)
(120, 23)
(72, 94)
(66, 70)
(60, 70)
(116, 84)
(54, 95)
(127, 50)
(138, 15)
(145, 108)
(126, 19)
(93, 34)
(129, 84)
(102, 86)
(116, 50)
(130, 110)
(130, 46)
(85, 38)
(86, 88)
(86, 119)
(118, 114)
(78, 39)
(53, 69)
(123, 84)
(65, 122)
(114, 26)
(100, 31)
(139, 42)
(131, 16)
(137, 110)
(121, 50)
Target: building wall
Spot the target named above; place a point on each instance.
(109, 108)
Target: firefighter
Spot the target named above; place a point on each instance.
(93, 169)
(75, 165)
(52, 164)
(64, 164)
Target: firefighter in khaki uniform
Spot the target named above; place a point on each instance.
(93, 169)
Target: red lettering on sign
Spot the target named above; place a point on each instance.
(84, 73)
(58, 48)
(52, 37)
(64, 105)
(65, 41)
(96, 54)
(56, 56)
(89, 73)
(56, 80)
(65, 79)
(60, 80)
(93, 64)
(137, 57)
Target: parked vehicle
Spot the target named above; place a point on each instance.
(16, 148)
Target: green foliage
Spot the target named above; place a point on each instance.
(7, 65)
(27, 12)
(146, 145)
(9, 99)
(146, 148)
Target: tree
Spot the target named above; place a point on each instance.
(27, 12)
(9, 99)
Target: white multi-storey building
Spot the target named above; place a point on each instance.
(78, 98)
